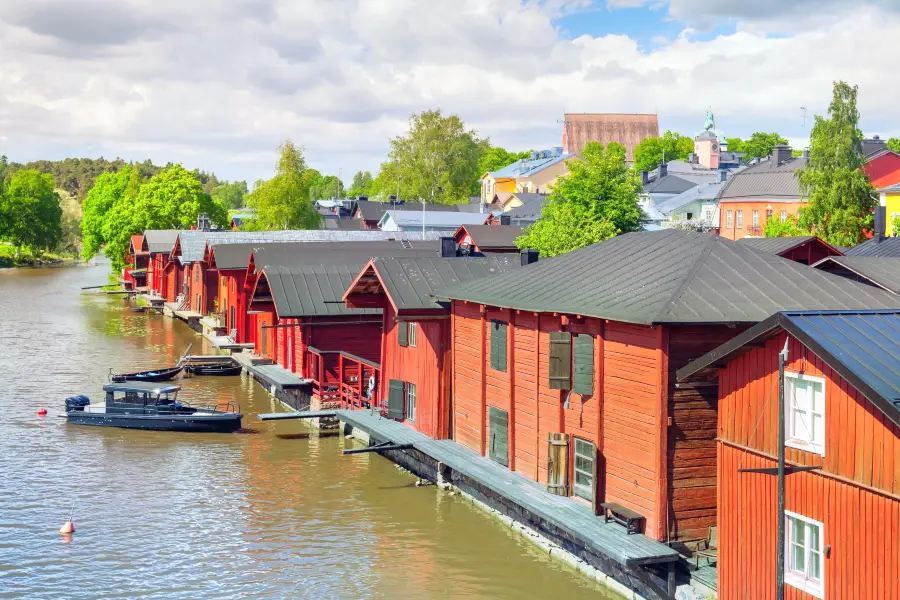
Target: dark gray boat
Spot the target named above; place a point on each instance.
(146, 405)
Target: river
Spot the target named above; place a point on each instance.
(275, 513)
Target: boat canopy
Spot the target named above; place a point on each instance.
(142, 386)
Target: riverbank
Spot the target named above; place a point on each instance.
(9, 260)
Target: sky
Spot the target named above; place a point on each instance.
(218, 85)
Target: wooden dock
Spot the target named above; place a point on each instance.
(308, 414)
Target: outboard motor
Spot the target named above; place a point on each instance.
(77, 403)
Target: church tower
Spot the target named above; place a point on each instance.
(706, 147)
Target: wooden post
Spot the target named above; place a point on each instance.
(482, 413)
(779, 526)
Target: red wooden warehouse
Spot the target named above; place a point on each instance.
(842, 384)
(158, 244)
(804, 249)
(415, 334)
(580, 351)
(476, 240)
(136, 271)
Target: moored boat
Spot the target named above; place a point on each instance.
(215, 370)
(145, 405)
(156, 375)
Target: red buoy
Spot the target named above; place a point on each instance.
(42, 411)
(68, 527)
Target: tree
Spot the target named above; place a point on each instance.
(893, 144)
(841, 198)
(108, 190)
(363, 185)
(652, 151)
(231, 195)
(734, 144)
(760, 145)
(775, 227)
(30, 212)
(436, 159)
(595, 201)
(329, 187)
(283, 202)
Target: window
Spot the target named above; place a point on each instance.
(805, 412)
(707, 215)
(498, 345)
(783, 216)
(756, 218)
(803, 565)
(768, 214)
(729, 219)
(411, 334)
(690, 216)
(583, 370)
(583, 486)
(411, 402)
(740, 219)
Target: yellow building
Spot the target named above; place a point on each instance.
(535, 174)
(890, 200)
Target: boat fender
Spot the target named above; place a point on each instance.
(42, 412)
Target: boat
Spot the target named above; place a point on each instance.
(146, 405)
(220, 370)
(151, 376)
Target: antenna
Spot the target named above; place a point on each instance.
(803, 109)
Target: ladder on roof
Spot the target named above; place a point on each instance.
(406, 244)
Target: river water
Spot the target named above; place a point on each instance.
(276, 513)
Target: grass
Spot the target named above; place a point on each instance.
(28, 257)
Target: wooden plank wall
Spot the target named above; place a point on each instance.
(468, 366)
(497, 384)
(860, 526)
(528, 448)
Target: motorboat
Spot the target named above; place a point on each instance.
(148, 405)
(215, 370)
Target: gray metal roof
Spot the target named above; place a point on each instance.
(338, 252)
(312, 290)
(160, 240)
(775, 245)
(493, 236)
(411, 218)
(531, 210)
(417, 283)
(192, 244)
(886, 247)
(670, 184)
(671, 276)
(373, 211)
(766, 181)
(704, 191)
(863, 347)
(880, 270)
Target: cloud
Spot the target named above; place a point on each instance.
(219, 85)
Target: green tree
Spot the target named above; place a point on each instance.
(840, 197)
(363, 185)
(760, 145)
(328, 187)
(652, 151)
(893, 144)
(735, 144)
(30, 212)
(231, 195)
(596, 200)
(776, 228)
(283, 202)
(436, 159)
(108, 190)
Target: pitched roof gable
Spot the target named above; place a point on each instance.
(880, 270)
(765, 181)
(492, 236)
(311, 290)
(158, 241)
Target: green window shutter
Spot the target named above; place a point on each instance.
(395, 399)
(560, 360)
(498, 345)
(499, 432)
(402, 333)
(583, 376)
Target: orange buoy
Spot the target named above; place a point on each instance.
(42, 411)
(68, 527)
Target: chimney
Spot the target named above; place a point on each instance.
(880, 224)
(645, 177)
(505, 220)
(780, 155)
(693, 158)
(723, 175)
(203, 222)
(663, 170)
(448, 247)
(806, 153)
(529, 257)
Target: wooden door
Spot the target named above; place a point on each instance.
(558, 464)
(499, 436)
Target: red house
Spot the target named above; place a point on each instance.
(883, 168)
(476, 240)
(138, 260)
(804, 249)
(415, 333)
(158, 244)
(188, 274)
(574, 359)
(841, 385)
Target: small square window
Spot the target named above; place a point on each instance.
(805, 412)
(804, 568)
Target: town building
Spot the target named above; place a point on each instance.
(842, 449)
(437, 221)
(804, 249)
(535, 174)
(157, 245)
(628, 130)
(135, 273)
(877, 271)
(477, 240)
(371, 213)
(697, 206)
(529, 212)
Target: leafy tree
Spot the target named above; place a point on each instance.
(437, 158)
(895, 226)
(841, 198)
(760, 145)
(108, 190)
(894, 144)
(283, 202)
(231, 195)
(363, 185)
(652, 151)
(776, 228)
(174, 199)
(595, 201)
(735, 144)
(328, 187)
(30, 212)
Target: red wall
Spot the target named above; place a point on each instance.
(884, 171)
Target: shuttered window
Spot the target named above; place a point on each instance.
(583, 371)
(402, 333)
(395, 399)
(499, 431)
(498, 345)
(411, 334)
(560, 360)
(583, 485)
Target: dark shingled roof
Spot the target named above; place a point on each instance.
(629, 130)
(670, 184)
(493, 236)
(764, 181)
(671, 276)
(863, 347)
(886, 247)
(312, 290)
(160, 240)
(777, 245)
(417, 283)
(880, 270)
(373, 211)
(338, 253)
(530, 210)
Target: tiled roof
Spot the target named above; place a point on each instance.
(671, 276)
(882, 271)
(493, 236)
(160, 240)
(764, 181)
(886, 247)
(312, 290)
(873, 146)
(704, 191)
(629, 130)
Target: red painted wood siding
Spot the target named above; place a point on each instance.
(421, 365)
(264, 318)
(884, 171)
(528, 447)
(468, 367)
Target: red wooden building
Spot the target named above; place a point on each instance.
(582, 350)
(476, 240)
(883, 168)
(135, 273)
(804, 249)
(414, 334)
(842, 382)
(187, 275)
(879, 271)
(158, 244)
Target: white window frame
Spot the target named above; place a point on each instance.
(740, 219)
(579, 490)
(410, 402)
(756, 218)
(801, 579)
(815, 441)
(783, 216)
(729, 218)
(411, 329)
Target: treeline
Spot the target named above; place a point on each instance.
(30, 210)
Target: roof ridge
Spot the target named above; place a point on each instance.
(688, 278)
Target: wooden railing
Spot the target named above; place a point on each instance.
(342, 377)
